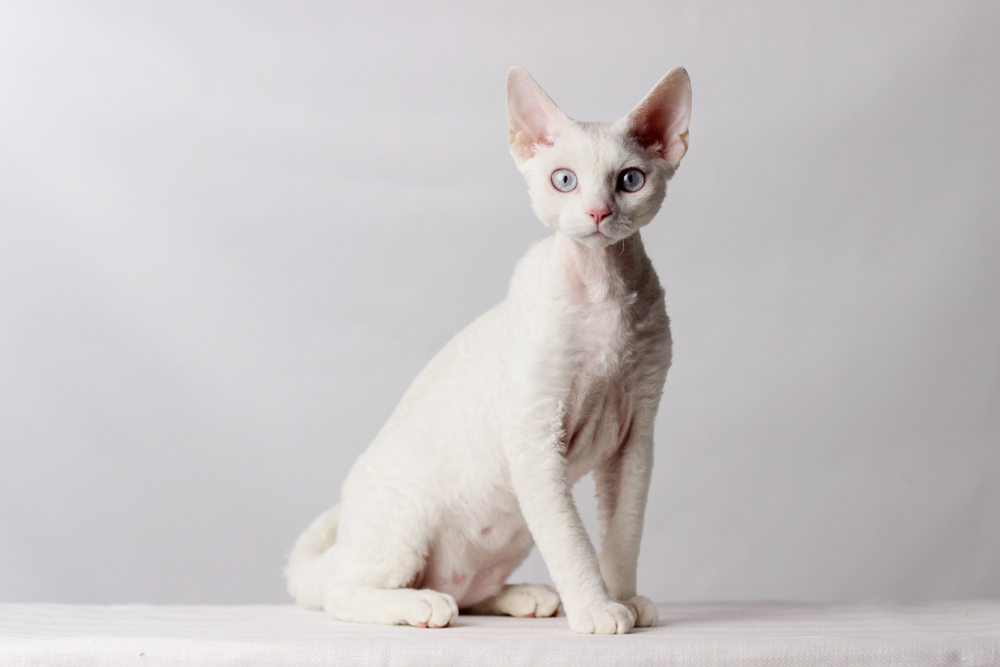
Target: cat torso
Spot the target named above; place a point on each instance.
(583, 335)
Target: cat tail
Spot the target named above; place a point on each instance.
(306, 572)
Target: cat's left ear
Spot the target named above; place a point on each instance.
(532, 115)
(661, 119)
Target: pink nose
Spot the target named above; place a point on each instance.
(599, 214)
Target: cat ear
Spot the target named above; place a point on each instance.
(662, 116)
(533, 117)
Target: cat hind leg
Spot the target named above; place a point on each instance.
(522, 600)
(422, 608)
(371, 571)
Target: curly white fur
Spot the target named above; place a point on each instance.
(561, 378)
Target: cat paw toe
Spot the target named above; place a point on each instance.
(605, 618)
(430, 609)
(527, 600)
(645, 612)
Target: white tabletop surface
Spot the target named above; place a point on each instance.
(704, 633)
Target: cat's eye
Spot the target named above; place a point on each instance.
(631, 180)
(564, 180)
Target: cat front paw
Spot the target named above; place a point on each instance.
(603, 618)
(430, 609)
(645, 612)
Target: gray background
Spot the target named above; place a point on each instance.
(233, 233)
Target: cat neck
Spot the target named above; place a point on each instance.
(616, 270)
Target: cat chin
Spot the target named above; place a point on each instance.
(597, 242)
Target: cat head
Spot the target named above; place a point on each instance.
(598, 182)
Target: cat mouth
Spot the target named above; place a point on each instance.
(609, 234)
(598, 237)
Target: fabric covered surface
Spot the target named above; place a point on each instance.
(732, 633)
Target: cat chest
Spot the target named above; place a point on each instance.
(595, 430)
(599, 405)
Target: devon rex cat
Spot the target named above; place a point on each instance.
(561, 378)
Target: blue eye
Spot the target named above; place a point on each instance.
(564, 180)
(631, 180)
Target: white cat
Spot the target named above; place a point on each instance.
(561, 378)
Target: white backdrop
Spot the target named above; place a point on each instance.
(233, 233)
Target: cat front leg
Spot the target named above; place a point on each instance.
(538, 474)
(622, 487)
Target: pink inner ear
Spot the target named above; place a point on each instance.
(532, 115)
(662, 116)
(531, 120)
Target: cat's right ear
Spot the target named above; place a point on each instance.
(532, 115)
